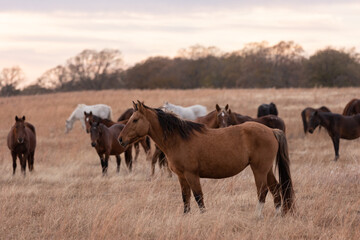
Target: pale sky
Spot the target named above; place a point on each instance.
(38, 35)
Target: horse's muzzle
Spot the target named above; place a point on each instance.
(20, 140)
(93, 144)
(311, 130)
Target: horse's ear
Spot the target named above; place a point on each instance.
(217, 108)
(85, 113)
(227, 107)
(16, 118)
(23, 118)
(140, 106)
(316, 113)
(229, 111)
(90, 113)
(135, 106)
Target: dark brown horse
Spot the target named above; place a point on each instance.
(267, 109)
(337, 126)
(145, 142)
(194, 151)
(21, 141)
(306, 114)
(104, 140)
(126, 115)
(352, 108)
(227, 118)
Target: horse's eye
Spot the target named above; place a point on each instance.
(135, 120)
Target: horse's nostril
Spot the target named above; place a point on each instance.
(93, 144)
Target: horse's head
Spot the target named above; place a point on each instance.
(19, 129)
(88, 120)
(314, 121)
(223, 116)
(68, 126)
(95, 132)
(138, 125)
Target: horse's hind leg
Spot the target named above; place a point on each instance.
(194, 182)
(274, 188)
(118, 161)
(13, 154)
(128, 158)
(262, 189)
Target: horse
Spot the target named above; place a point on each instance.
(227, 118)
(352, 108)
(101, 110)
(104, 140)
(267, 109)
(126, 115)
(145, 143)
(337, 125)
(21, 142)
(194, 151)
(189, 113)
(306, 114)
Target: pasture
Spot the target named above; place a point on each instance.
(66, 196)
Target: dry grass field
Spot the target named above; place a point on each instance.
(66, 196)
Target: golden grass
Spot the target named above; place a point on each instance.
(67, 198)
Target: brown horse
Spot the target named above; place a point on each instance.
(104, 140)
(21, 141)
(352, 108)
(145, 142)
(337, 126)
(227, 118)
(126, 115)
(194, 151)
(306, 114)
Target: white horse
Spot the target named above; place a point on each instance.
(100, 110)
(188, 113)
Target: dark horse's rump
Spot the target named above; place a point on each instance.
(352, 108)
(126, 115)
(337, 126)
(21, 141)
(267, 109)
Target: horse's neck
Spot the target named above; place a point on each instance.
(75, 114)
(107, 122)
(325, 120)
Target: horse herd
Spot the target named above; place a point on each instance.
(195, 144)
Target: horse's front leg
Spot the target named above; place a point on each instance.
(194, 183)
(154, 160)
(129, 158)
(336, 142)
(185, 192)
(118, 162)
(23, 159)
(13, 154)
(106, 164)
(101, 156)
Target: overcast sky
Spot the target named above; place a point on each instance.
(38, 35)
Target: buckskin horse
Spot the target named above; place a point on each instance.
(21, 141)
(194, 151)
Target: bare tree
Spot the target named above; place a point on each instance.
(10, 78)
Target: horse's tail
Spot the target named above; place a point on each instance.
(303, 116)
(348, 107)
(283, 164)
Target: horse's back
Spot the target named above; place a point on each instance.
(116, 129)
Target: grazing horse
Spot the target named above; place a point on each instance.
(101, 110)
(337, 126)
(306, 114)
(267, 109)
(145, 142)
(21, 141)
(227, 118)
(126, 115)
(188, 113)
(352, 108)
(194, 151)
(104, 140)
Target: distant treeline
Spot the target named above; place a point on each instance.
(257, 65)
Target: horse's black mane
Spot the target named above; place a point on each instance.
(170, 123)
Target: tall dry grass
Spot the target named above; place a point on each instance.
(67, 198)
